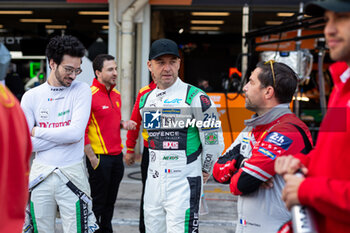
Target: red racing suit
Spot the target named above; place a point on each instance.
(276, 133)
(327, 185)
(15, 152)
(132, 135)
(103, 136)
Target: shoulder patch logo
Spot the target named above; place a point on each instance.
(279, 140)
(205, 102)
(211, 138)
(6, 98)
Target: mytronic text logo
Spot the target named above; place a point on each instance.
(54, 124)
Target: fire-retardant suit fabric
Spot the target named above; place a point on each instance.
(276, 133)
(179, 152)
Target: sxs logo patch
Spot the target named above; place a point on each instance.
(170, 145)
(151, 119)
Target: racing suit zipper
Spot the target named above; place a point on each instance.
(109, 97)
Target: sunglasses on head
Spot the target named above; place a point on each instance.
(272, 70)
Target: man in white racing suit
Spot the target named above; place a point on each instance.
(185, 139)
(57, 113)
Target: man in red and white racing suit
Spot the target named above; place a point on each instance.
(249, 162)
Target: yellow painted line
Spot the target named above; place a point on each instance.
(216, 190)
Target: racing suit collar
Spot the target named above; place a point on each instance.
(102, 87)
(269, 116)
(345, 76)
(172, 87)
(53, 88)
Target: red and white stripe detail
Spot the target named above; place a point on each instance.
(256, 172)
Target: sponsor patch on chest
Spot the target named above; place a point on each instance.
(44, 114)
(151, 119)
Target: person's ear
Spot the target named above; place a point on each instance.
(97, 73)
(149, 65)
(52, 64)
(269, 92)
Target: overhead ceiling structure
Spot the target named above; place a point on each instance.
(90, 21)
(37, 21)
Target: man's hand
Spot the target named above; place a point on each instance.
(129, 125)
(94, 161)
(288, 165)
(33, 132)
(290, 191)
(205, 177)
(267, 184)
(228, 164)
(129, 158)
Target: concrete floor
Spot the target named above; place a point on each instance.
(221, 218)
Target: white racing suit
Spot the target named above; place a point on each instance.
(60, 116)
(75, 204)
(181, 147)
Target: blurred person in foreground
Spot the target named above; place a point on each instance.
(57, 113)
(181, 154)
(248, 164)
(132, 136)
(326, 188)
(103, 144)
(15, 151)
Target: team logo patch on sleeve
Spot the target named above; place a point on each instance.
(205, 102)
(279, 140)
(211, 138)
(267, 153)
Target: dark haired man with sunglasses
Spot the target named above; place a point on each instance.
(57, 113)
(326, 187)
(248, 164)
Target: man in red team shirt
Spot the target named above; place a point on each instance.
(15, 151)
(131, 142)
(103, 144)
(326, 187)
